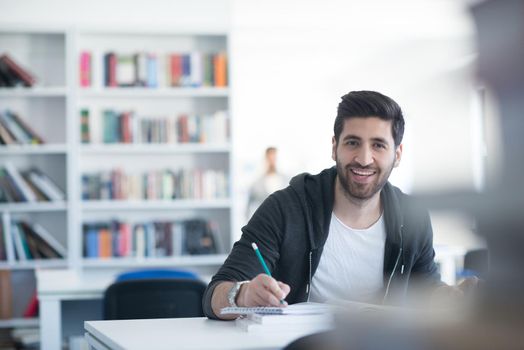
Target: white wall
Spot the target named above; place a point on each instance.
(292, 60)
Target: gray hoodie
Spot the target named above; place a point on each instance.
(291, 227)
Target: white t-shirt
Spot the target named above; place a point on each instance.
(352, 263)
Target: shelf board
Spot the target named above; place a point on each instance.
(39, 91)
(154, 148)
(34, 264)
(33, 149)
(20, 322)
(102, 205)
(33, 207)
(137, 92)
(189, 260)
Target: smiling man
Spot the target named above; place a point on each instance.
(345, 233)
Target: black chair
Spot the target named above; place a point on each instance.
(154, 298)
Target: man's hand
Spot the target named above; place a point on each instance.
(450, 295)
(263, 290)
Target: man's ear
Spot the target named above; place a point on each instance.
(333, 148)
(398, 155)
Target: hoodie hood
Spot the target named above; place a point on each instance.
(310, 188)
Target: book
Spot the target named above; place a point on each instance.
(220, 72)
(39, 248)
(5, 136)
(12, 192)
(125, 70)
(20, 73)
(3, 251)
(305, 308)
(85, 69)
(110, 67)
(85, 137)
(40, 196)
(20, 250)
(19, 182)
(152, 71)
(196, 74)
(15, 130)
(31, 310)
(91, 241)
(41, 232)
(141, 70)
(6, 295)
(26, 128)
(45, 185)
(7, 78)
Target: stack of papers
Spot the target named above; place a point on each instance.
(302, 317)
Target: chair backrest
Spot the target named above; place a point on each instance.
(156, 273)
(154, 298)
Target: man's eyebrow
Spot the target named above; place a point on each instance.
(374, 139)
(354, 137)
(380, 139)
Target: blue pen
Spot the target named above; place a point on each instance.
(263, 263)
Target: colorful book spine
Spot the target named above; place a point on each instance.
(220, 74)
(20, 73)
(85, 69)
(85, 136)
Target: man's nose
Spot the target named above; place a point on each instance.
(364, 156)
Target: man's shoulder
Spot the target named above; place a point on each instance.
(410, 208)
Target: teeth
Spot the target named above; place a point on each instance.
(362, 172)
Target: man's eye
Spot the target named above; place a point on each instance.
(380, 145)
(351, 143)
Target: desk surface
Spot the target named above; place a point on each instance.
(182, 333)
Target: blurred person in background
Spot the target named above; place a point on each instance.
(270, 181)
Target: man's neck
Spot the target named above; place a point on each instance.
(354, 212)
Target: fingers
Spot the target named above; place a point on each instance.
(264, 290)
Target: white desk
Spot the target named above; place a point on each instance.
(181, 333)
(55, 286)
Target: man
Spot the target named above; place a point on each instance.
(345, 233)
(270, 181)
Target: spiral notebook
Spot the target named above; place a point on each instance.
(295, 309)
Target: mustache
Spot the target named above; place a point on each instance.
(359, 166)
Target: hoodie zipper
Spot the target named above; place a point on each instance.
(308, 286)
(395, 266)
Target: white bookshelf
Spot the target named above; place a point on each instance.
(142, 157)
(53, 107)
(180, 261)
(33, 149)
(140, 92)
(43, 52)
(155, 149)
(33, 207)
(154, 205)
(38, 91)
(20, 323)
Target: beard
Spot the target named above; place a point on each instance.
(360, 191)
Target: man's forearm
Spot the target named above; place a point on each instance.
(219, 300)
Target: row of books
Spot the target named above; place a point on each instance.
(12, 74)
(27, 186)
(15, 130)
(128, 127)
(6, 302)
(155, 185)
(145, 69)
(151, 239)
(31, 241)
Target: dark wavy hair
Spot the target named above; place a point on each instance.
(370, 104)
